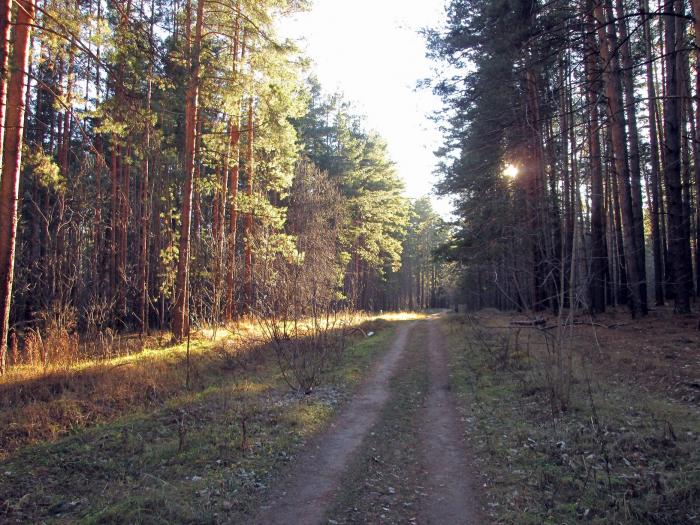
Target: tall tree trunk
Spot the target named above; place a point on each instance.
(145, 216)
(11, 162)
(535, 189)
(696, 25)
(654, 176)
(5, 19)
(114, 216)
(230, 302)
(196, 195)
(568, 230)
(687, 143)
(233, 174)
(672, 169)
(181, 310)
(669, 289)
(634, 163)
(124, 198)
(613, 91)
(598, 251)
(248, 252)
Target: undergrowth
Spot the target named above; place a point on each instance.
(615, 454)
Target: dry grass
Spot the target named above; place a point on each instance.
(625, 447)
(39, 403)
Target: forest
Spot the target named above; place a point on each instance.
(577, 178)
(221, 303)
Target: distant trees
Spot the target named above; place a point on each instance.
(593, 103)
(424, 280)
(376, 211)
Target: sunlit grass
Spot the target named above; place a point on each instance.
(133, 426)
(400, 316)
(38, 404)
(202, 341)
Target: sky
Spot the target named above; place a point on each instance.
(372, 52)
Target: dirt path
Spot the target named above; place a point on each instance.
(450, 486)
(308, 490)
(430, 444)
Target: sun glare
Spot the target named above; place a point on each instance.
(511, 171)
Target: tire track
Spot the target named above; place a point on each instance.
(451, 496)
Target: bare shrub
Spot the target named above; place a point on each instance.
(307, 348)
(98, 315)
(33, 346)
(299, 305)
(14, 347)
(238, 355)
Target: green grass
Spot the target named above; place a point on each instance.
(183, 460)
(617, 454)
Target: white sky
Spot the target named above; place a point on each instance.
(370, 51)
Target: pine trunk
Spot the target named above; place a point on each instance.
(181, 311)
(695, 4)
(11, 162)
(248, 252)
(613, 91)
(627, 73)
(677, 238)
(5, 21)
(655, 172)
(598, 251)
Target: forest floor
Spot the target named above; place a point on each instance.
(598, 422)
(435, 419)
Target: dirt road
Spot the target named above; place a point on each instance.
(310, 488)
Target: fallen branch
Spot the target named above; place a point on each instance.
(539, 321)
(587, 323)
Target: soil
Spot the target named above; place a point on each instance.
(306, 493)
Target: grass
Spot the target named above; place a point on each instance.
(382, 484)
(123, 441)
(619, 453)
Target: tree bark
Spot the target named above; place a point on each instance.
(5, 19)
(248, 252)
(654, 176)
(535, 190)
(613, 91)
(11, 162)
(633, 139)
(672, 168)
(145, 218)
(598, 251)
(695, 4)
(233, 174)
(181, 310)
